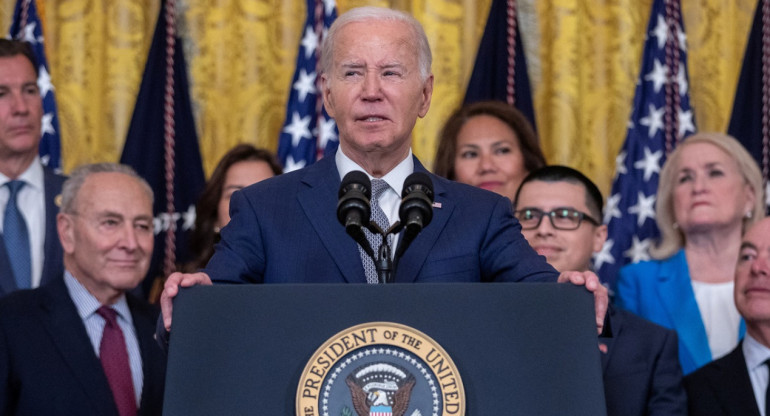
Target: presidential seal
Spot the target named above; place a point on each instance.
(380, 369)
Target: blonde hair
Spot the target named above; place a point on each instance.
(671, 237)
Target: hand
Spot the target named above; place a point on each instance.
(591, 282)
(171, 288)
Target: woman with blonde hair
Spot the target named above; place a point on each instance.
(710, 190)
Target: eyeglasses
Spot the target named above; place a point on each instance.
(561, 218)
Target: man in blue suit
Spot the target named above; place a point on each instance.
(376, 82)
(560, 211)
(21, 110)
(737, 384)
(81, 344)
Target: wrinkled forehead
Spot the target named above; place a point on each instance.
(548, 195)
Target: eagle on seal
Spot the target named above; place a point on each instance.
(363, 402)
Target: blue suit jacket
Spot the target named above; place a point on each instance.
(722, 388)
(661, 291)
(47, 361)
(53, 266)
(640, 369)
(285, 230)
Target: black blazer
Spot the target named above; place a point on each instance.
(53, 266)
(722, 387)
(640, 369)
(47, 362)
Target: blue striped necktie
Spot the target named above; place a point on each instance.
(16, 238)
(379, 186)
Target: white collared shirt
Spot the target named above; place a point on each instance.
(31, 203)
(755, 355)
(390, 200)
(87, 305)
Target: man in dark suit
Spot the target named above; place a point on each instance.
(560, 211)
(376, 82)
(737, 384)
(39, 258)
(81, 344)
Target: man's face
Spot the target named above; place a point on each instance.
(752, 275)
(108, 240)
(21, 107)
(374, 89)
(565, 250)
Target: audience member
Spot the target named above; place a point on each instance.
(490, 145)
(243, 165)
(376, 82)
(81, 344)
(737, 384)
(30, 253)
(560, 209)
(710, 190)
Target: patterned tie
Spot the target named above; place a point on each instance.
(16, 238)
(114, 358)
(378, 216)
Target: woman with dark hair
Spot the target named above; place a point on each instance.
(490, 145)
(243, 165)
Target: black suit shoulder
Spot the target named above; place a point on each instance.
(722, 387)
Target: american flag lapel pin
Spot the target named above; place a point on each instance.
(437, 205)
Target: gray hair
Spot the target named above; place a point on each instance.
(360, 14)
(78, 177)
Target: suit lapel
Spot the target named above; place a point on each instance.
(616, 322)
(733, 384)
(63, 323)
(152, 362)
(317, 200)
(7, 282)
(411, 263)
(676, 295)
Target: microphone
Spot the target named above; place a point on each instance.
(353, 209)
(416, 210)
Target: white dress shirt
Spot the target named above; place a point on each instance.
(31, 203)
(755, 355)
(87, 305)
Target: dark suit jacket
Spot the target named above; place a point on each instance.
(285, 230)
(47, 362)
(722, 387)
(641, 369)
(53, 266)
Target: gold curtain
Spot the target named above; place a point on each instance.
(583, 56)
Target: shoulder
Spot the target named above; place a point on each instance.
(466, 195)
(641, 327)
(713, 372)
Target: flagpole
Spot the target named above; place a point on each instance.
(169, 134)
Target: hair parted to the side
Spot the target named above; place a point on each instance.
(671, 238)
(444, 162)
(372, 13)
(78, 177)
(11, 47)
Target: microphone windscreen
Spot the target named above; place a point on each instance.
(359, 178)
(418, 178)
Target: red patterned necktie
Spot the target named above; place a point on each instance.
(114, 358)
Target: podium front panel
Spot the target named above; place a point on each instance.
(520, 348)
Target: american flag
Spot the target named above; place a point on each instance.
(308, 133)
(26, 26)
(661, 117)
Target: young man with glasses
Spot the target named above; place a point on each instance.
(560, 211)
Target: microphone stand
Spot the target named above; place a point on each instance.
(383, 261)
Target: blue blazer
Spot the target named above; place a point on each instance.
(641, 371)
(285, 230)
(47, 361)
(53, 266)
(722, 388)
(661, 291)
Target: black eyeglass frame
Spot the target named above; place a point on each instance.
(580, 215)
